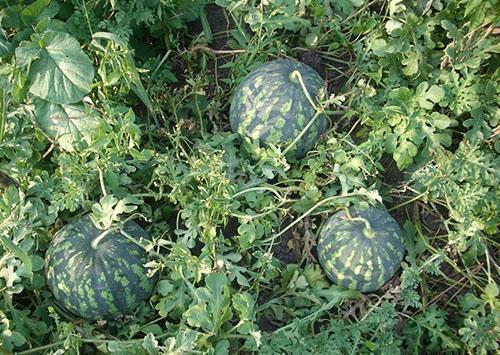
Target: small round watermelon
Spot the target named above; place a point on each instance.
(361, 251)
(270, 105)
(99, 281)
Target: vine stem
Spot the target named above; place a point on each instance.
(51, 148)
(262, 214)
(351, 294)
(307, 213)
(146, 194)
(3, 111)
(165, 57)
(120, 230)
(41, 348)
(258, 188)
(133, 240)
(84, 340)
(87, 17)
(200, 116)
(416, 198)
(101, 181)
(215, 51)
(301, 134)
(488, 266)
(426, 326)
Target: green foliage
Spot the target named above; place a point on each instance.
(480, 323)
(59, 71)
(429, 91)
(374, 333)
(472, 174)
(120, 109)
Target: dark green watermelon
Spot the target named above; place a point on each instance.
(99, 283)
(358, 257)
(269, 105)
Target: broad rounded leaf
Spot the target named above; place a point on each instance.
(66, 124)
(62, 74)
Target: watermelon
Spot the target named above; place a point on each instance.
(361, 251)
(98, 281)
(270, 105)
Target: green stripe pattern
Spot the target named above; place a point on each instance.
(270, 105)
(355, 259)
(99, 283)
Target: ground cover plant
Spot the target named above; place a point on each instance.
(138, 217)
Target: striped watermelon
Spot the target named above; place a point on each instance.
(101, 281)
(361, 253)
(270, 105)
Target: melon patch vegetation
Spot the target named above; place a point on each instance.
(249, 177)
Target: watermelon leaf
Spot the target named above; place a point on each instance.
(213, 306)
(108, 210)
(19, 253)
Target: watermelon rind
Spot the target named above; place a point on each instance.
(98, 283)
(358, 258)
(270, 105)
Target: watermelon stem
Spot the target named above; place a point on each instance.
(319, 110)
(301, 134)
(367, 231)
(100, 237)
(296, 74)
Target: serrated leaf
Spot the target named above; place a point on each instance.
(490, 292)
(109, 209)
(404, 154)
(66, 124)
(12, 339)
(222, 347)
(410, 64)
(391, 141)
(137, 87)
(380, 47)
(19, 253)
(5, 45)
(435, 93)
(165, 287)
(440, 121)
(244, 304)
(197, 316)
(62, 73)
(26, 53)
(213, 307)
(150, 344)
(357, 3)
